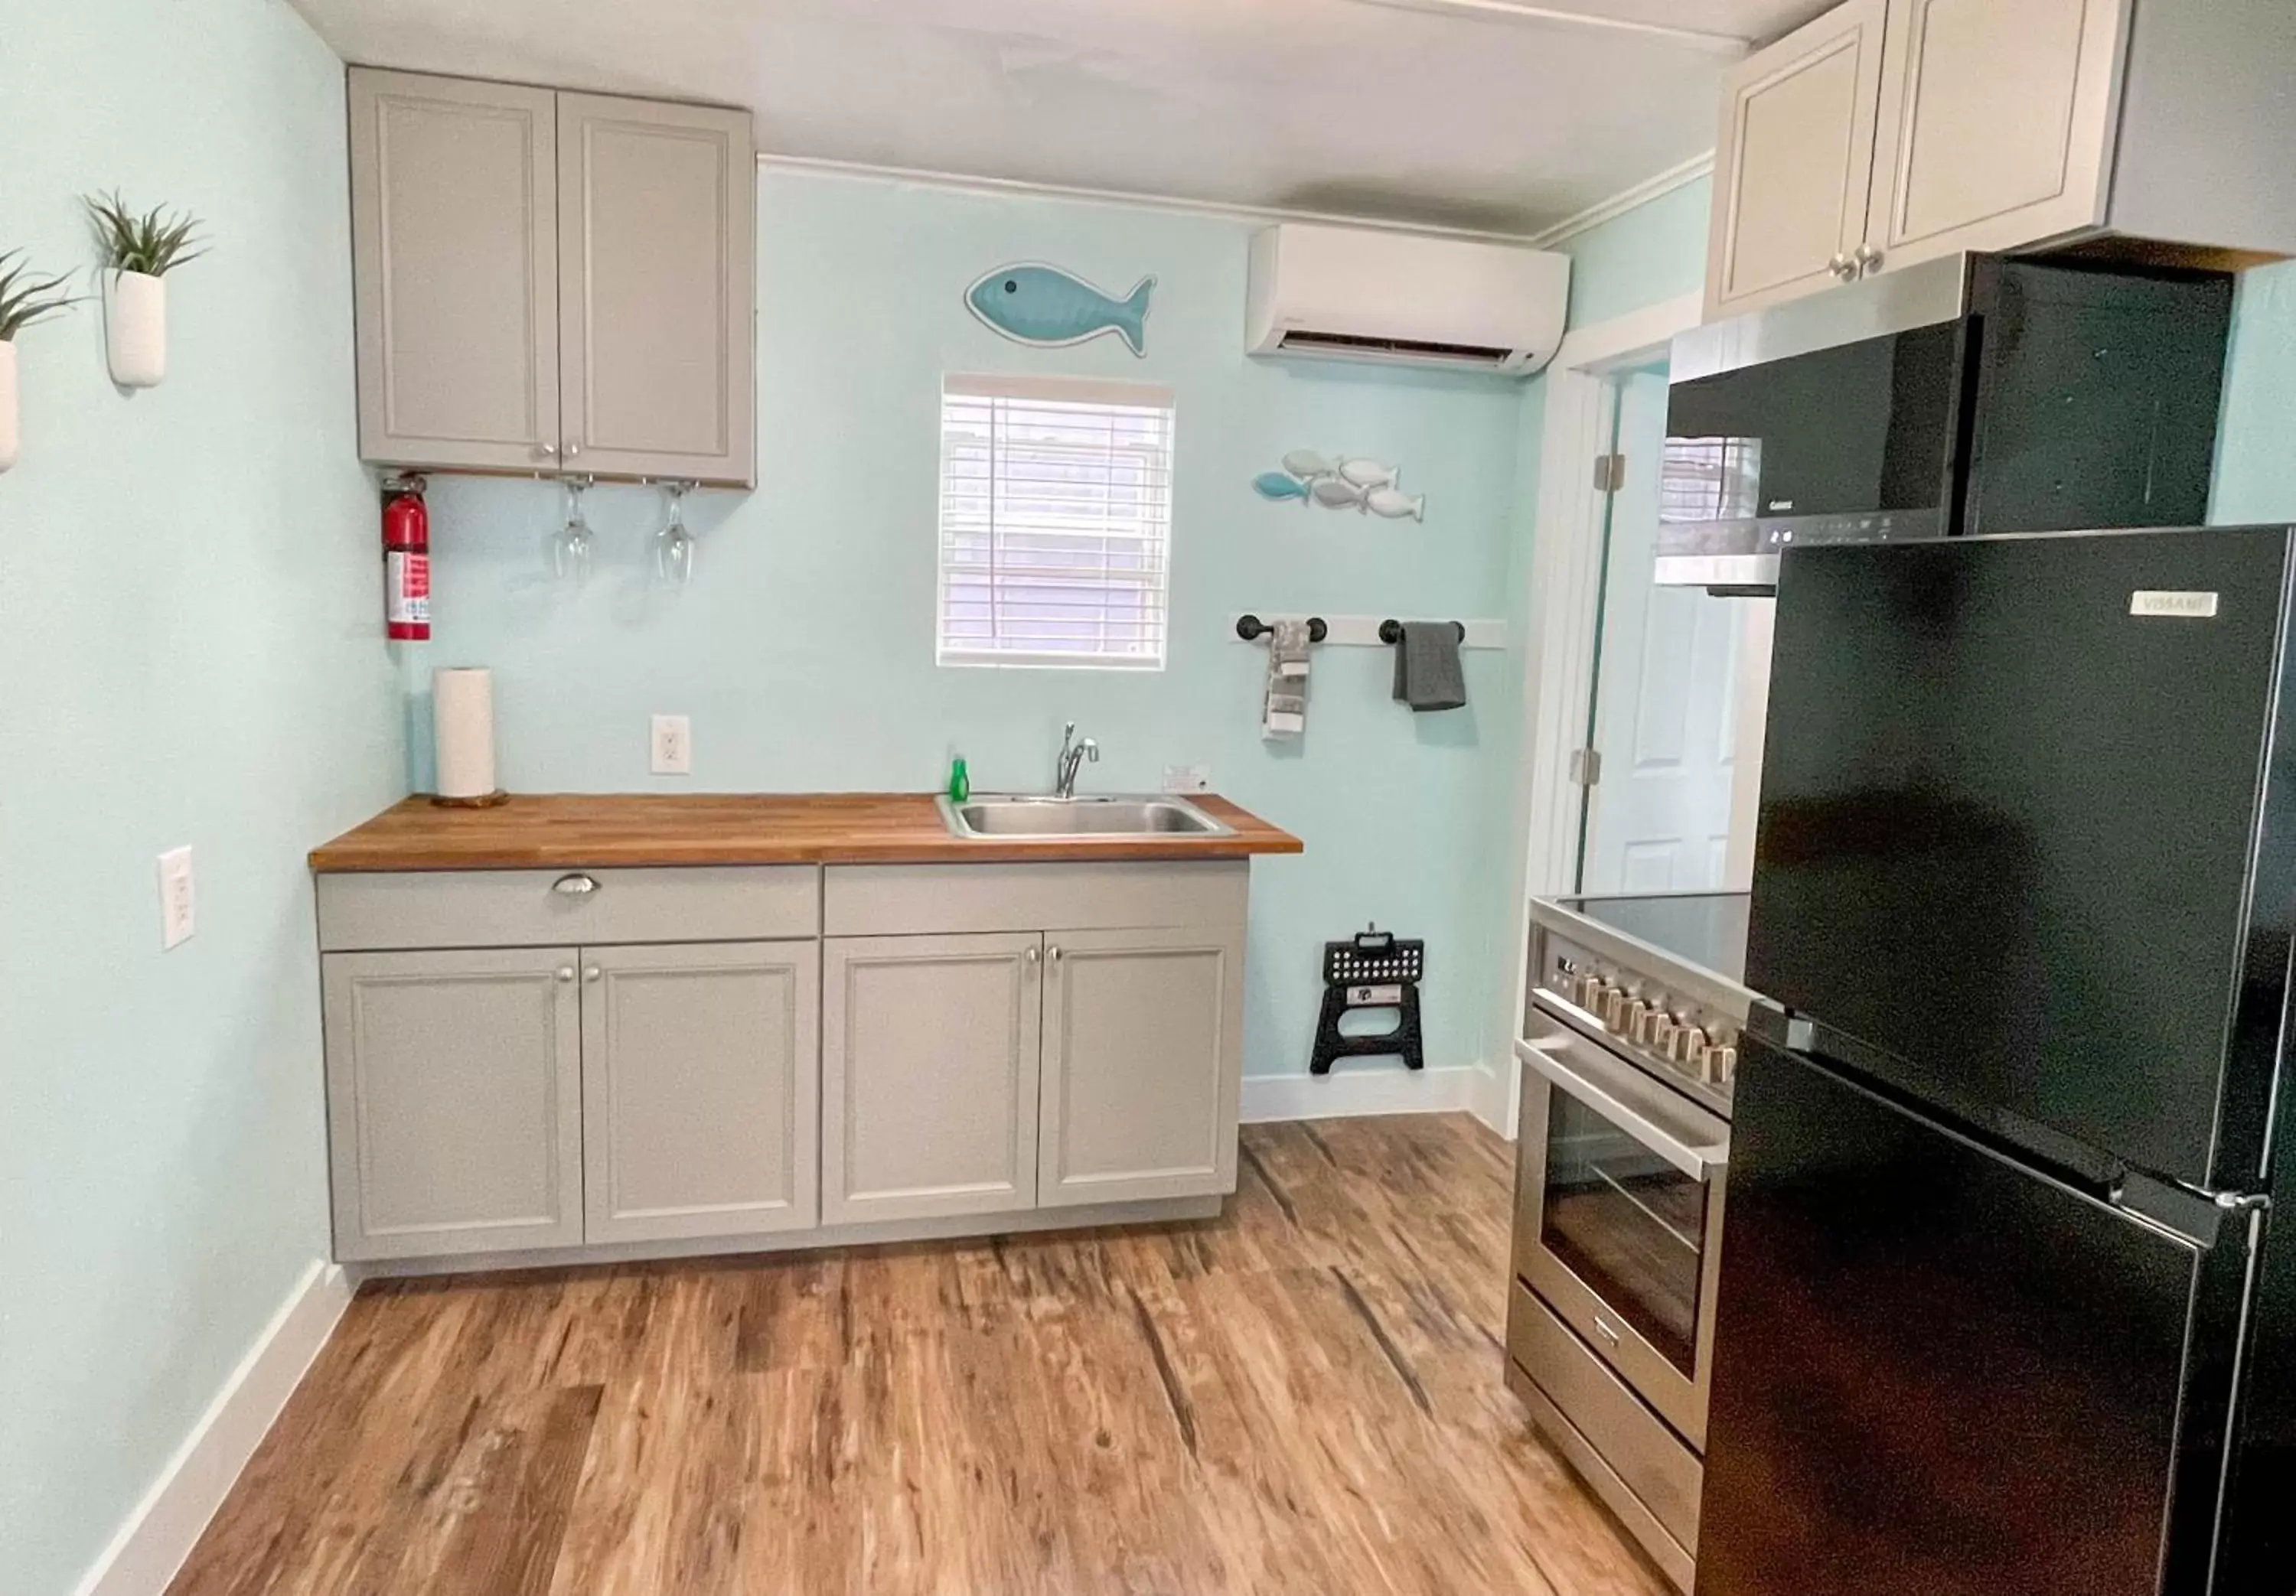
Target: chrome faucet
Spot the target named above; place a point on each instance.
(1074, 751)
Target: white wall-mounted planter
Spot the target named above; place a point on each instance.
(7, 405)
(136, 328)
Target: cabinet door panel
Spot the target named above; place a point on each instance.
(454, 1101)
(700, 1068)
(1995, 124)
(1794, 159)
(454, 245)
(656, 246)
(1143, 1042)
(928, 1076)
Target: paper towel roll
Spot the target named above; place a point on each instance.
(462, 719)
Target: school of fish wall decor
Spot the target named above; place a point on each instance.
(1362, 486)
(1049, 308)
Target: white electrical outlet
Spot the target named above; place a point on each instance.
(672, 745)
(1187, 778)
(175, 897)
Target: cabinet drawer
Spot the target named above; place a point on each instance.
(897, 900)
(521, 908)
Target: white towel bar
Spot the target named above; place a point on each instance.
(1362, 631)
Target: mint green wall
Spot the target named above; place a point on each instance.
(188, 629)
(2256, 448)
(1640, 257)
(804, 650)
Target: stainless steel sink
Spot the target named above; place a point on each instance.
(994, 817)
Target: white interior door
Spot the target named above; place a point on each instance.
(1670, 671)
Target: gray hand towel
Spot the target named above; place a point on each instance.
(1427, 673)
(1283, 715)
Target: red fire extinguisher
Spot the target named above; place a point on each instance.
(407, 562)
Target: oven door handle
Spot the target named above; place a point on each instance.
(1700, 1162)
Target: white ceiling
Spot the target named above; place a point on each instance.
(1472, 113)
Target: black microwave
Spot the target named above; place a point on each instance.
(1968, 394)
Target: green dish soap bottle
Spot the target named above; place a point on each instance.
(960, 783)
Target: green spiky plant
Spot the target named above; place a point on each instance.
(26, 296)
(153, 243)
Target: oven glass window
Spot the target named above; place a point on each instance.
(1628, 1224)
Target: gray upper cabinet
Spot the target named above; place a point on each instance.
(552, 282)
(1143, 1065)
(1889, 131)
(455, 236)
(928, 1076)
(700, 1090)
(656, 208)
(1795, 156)
(454, 1101)
(1996, 126)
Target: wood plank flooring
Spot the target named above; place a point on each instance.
(1304, 1394)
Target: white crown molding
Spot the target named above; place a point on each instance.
(1626, 199)
(152, 1546)
(966, 182)
(1524, 13)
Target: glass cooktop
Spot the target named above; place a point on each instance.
(1705, 928)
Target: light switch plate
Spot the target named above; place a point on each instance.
(1187, 778)
(672, 745)
(175, 897)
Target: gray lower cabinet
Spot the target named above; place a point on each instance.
(1143, 1065)
(454, 1100)
(700, 1095)
(928, 1076)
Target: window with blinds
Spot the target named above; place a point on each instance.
(1055, 522)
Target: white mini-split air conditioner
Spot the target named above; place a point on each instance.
(1349, 293)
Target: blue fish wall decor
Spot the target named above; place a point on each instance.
(1279, 485)
(1031, 303)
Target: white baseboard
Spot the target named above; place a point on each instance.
(167, 1523)
(1474, 1089)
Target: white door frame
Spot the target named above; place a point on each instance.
(1564, 599)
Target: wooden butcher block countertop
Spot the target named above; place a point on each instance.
(549, 829)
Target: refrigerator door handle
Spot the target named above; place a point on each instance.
(1701, 1160)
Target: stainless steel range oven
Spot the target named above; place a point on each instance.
(1628, 1048)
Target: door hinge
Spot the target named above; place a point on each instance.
(1610, 472)
(1586, 766)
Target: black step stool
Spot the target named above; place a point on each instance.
(1373, 971)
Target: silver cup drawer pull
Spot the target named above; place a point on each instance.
(575, 886)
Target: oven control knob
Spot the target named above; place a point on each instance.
(1689, 1045)
(1661, 1032)
(1589, 992)
(1721, 1065)
(1615, 1004)
(1637, 1021)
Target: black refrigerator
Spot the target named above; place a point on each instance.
(2006, 1305)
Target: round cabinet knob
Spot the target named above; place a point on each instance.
(572, 449)
(592, 974)
(1868, 261)
(1842, 266)
(576, 886)
(565, 972)
(1032, 955)
(547, 451)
